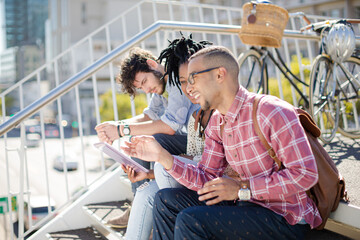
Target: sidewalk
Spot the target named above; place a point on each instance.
(346, 155)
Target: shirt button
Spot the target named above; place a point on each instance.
(230, 135)
(261, 197)
(242, 174)
(235, 155)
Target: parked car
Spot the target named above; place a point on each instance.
(70, 163)
(39, 209)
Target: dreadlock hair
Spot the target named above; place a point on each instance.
(177, 53)
(135, 62)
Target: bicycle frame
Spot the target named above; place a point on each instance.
(350, 80)
(280, 64)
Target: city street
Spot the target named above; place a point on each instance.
(37, 165)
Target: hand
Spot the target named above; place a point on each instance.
(148, 149)
(132, 175)
(107, 132)
(143, 147)
(218, 190)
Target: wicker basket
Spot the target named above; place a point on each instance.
(268, 28)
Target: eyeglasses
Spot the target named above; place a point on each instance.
(191, 80)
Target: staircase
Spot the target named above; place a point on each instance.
(81, 215)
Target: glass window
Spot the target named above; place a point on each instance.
(336, 13)
(357, 12)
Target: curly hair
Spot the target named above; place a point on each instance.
(177, 53)
(135, 62)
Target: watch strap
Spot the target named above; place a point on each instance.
(118, 130)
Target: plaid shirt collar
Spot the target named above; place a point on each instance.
(236, 106)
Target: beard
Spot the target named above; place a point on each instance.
(161, 81)
(205, 106)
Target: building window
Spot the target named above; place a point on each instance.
(357, 12)
(337, 13)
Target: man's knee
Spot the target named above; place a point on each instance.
(185, 216)
(189, 225)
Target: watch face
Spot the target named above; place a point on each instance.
(126, 130)
(244, 194)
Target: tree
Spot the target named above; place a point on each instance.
(123, 105)
(8, 102)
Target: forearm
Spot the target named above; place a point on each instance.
(150, 128)
(138, 119)
(166, 159)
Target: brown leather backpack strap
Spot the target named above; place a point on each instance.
(269, 149)
(308, 123)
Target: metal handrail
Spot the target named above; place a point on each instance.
(88, 71)
(104, 27)
(91, 69)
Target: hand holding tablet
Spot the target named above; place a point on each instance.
(119, 156)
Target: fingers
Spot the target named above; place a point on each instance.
(213, 182)
(211, 185)
(126, 150)
(101, 126)
(205, 191)
(104, 138)
(218, 190)
(212, 197)
(214, 201)
(131, 174)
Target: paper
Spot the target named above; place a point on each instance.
(119, 156)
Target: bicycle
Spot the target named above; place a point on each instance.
(335, 80)
(331, 109)
(253, 73)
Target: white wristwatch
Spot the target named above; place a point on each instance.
(244, 192)
(126, 130)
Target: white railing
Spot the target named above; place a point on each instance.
(18, 175)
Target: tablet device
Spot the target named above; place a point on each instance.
(119, 156)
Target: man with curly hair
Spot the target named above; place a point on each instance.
(164, 118)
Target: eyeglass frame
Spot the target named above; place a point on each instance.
(191, 76)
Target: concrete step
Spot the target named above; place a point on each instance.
(100, 213)
(89, 233)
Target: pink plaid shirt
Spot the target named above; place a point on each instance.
(284, 192)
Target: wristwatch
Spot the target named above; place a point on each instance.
(244, 192)
(126, 130)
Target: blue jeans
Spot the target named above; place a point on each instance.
(141, 215)
(178, 214)
(174, 144)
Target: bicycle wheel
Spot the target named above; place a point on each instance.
(324, 107)
(349, 121)
(250, 75)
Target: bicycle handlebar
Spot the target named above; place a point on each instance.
(301, 14)
(318, 25)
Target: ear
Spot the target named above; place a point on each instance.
(221, 73)
(152, 64)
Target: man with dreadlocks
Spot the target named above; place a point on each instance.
(164, 118)
(140, 220)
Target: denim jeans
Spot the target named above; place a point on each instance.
(174, 144)
(178, 214)
(141, 215)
